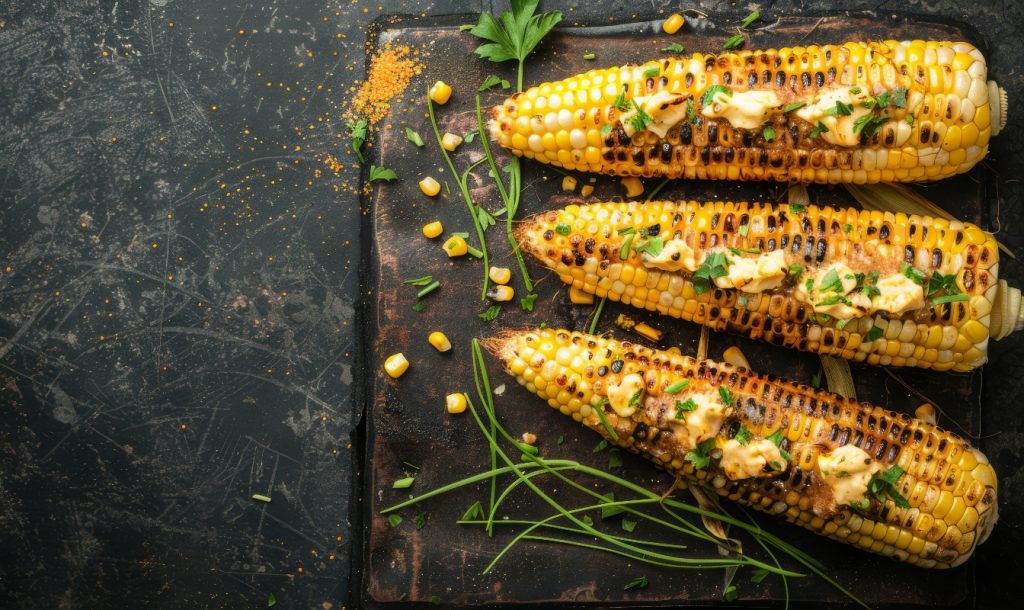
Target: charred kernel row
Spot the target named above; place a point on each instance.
(952, 335)
(574, 123)
(949, 485)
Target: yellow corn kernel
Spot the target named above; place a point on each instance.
(529, 438)
(734, 356)
(587, 190)
(439, 340)
(501, 293)
(433, 229)
(455, 246)
(634, 188)
(499, 275)
(579, 297)
(925, 412)
(568, 184)
(450, 141)
(673, 23)
(430, 187)
(396, 365)
(647, 331)
(440, 92)
(455, 403)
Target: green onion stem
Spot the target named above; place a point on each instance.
(431, 287)
(465, 195)
(573, 530)
(509, 196)
(658, 188)
(597, 315)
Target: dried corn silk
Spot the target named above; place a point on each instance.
(391, 70)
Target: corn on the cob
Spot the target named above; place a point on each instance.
(886, 289)
(774, 445)
(856, 113)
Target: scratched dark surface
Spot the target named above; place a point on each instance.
(180, 305)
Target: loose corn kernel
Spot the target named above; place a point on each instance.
(430, 187)
(673, 23)
(634, 188)
(433, 229)
(396, 365)
(587, 190)
(501, 293)
(450, 141)
(455, 403)
(568, 183)
(647, 331)
(440, 341)
(736, 357)
(529, 438)
(440, 92)
(500, 275)
(925, 412)
(455, 246)
(579, 297)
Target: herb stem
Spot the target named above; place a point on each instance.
(431, 287)
(597, 315)
(465, 195)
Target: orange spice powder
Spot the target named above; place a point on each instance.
(390, 72)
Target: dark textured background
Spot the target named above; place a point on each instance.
(179, 297)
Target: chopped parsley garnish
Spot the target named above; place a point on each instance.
(831, 282)
(562, 228)
(809, 285)
(626, 246)
(599, 409)
(493, 81)
(652, 246)
(610, 511)
(526, 303)
(626, 231)
(790, 107)
(394, 520)
(690, 114)
(413, 137)
(796, 270)
(677, 387)
(869, 124)
(735, 42)
(628, 524)
(873, 334)
(490, 313)
(884, 484)
(476, 511)
(620, 101)
(775, 438)
(730, 593)
(910, 120)
(675, 47)
(950, 298)
(743, 436)
(943, 285)
(420, 521)
(840, 109)
(639, 582)
(435, 600)
(469, 137)
(847, 227)
(685, 407)
(652, 71)
(419, 306)
(382, 173)
(836, 298)
(357, 131)
(712, 267)
(744, 229)
(913, 273)
(882, 100)
(634, 400)
(598, 448)
(271, 600)
(561, 439)
(818, 129)
(768, 133)
(405, 483)
(709, 94)
(899, 97)
(614, 458)
(795, 208)
(606, 129)
(726, 395)
(700, 457)
(641, 120)
(739, 251)
(855, 90)
(751, 18)
(870, 289)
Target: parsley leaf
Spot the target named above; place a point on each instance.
(652, 71)
(730, 593)
(913, 273)
(690, 114)
(610, 511)
(840, 109)
(634, 400)
(768, 133)
(942, 284)
(413, 137)
(493, 81)
(831, 282)
(899, 97)
(819, 129)
(675, 47)
(652, 246)
(884, 484)
(726, 395)
(357, 131)
(795, 208)
(677, 387)
(620, 102)
(685, 407)
(614, 458)
(394, 520)
(628, 524)
(641, 120)
(527, 302)
(796, 270)
(562, 228)
(420, 521)
(701, 456)
(709, 94)
(713, 266)
(382, 173)
(869, 124)
(514, 34)
(640, 582)
(751, 18)
(910, 120)
(873, 334)
(870, 289)
(743, 436)
(490, 313)
(736, 42)
(793, 106)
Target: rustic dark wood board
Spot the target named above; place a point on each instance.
(406, 418)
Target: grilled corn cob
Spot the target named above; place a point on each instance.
(875, 479)
(882, 288)
(860, 112)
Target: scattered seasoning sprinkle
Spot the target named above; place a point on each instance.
(390, 72)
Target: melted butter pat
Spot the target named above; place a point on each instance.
(859, 305)
(620, 396)
(898, 294)
(703, 422)
(847, 470)
(746, 461)
(676, 255)
(840, 128)
(743, 110)
(755, 274)
(665, 108)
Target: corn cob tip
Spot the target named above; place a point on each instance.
(1000, 106)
